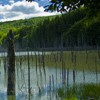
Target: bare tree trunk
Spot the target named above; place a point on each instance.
(11, 66)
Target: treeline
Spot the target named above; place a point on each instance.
(51, 33)
(71, 29)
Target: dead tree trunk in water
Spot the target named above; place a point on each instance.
(11, 65)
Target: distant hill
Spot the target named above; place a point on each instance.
(19, 24)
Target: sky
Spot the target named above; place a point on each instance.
(21, 9)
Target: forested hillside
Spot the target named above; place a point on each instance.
(70, 29)
(19, 24)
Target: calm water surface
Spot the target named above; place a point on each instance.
(38, 81)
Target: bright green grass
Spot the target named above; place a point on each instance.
(11, 97)
(81, 91)
(71, 98)
(91, 90)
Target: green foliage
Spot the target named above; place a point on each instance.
(60, 92)
(84, 91)
(69, 92)
(91, 90)
(70, 5)
(72, 98)
(19, 25)
(93, 6)
(15, 25)
(11, 97)
(50, 32)
(84, 32)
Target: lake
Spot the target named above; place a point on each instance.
(44, 81)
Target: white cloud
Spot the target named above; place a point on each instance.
(21, 10)
(11, 1)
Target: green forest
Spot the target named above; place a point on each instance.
(75, 28)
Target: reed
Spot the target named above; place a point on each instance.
(5, 69)
(43, 64)
(50, 86)
(28, 62)
(62, 65)
(96, 70)
(36, 70)
(53, 82)
(68, 77)
(81, 92)
(83, 76)
(73, 55)
(40, 70)
(20, 66)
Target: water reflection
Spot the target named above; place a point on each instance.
(42, 88)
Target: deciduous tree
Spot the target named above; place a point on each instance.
(69, 5)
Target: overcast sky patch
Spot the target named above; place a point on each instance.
(21, 10)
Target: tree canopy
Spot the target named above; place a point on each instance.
(69, 5)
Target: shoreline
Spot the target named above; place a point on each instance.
(55, 49)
